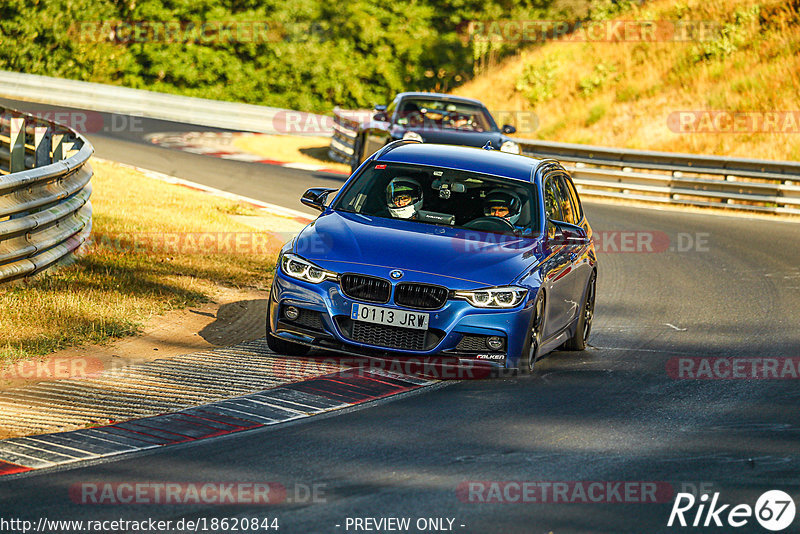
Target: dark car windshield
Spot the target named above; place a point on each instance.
(432, 195)
(441, 114)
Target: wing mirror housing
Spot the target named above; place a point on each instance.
(564, 233)
(380, 114)
(316, 197)
(508, 129)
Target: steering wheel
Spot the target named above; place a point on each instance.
(490, 223)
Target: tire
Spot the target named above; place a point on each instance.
(583, 327)
(534, 342)
(281, 346)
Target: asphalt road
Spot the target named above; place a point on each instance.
(610, 414)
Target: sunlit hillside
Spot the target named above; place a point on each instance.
(717, 93)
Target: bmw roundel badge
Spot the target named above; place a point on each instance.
(397, 274)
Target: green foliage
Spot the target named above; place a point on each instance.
(591, 83)
(318, 54)
(538, 81)
(595, 114)
(730, 37)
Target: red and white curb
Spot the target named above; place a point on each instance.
(289, 402)
(221, 145)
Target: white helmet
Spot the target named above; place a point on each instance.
(403, 197)
(503, 198)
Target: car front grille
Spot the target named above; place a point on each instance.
(420, 296)
(390, 337)
(366, 288)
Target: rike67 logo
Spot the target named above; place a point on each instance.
(774, 510)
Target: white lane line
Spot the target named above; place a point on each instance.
(272, 208)
(250, 158)
(675, 327)
(303, 166)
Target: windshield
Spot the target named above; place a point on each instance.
(443, 115)
(431, 195)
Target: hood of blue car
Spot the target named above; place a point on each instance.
(459, 137)
(455, 258)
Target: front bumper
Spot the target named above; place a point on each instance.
(455, 330)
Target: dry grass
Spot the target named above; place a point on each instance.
(622, 93)
(111, 290)
(290, 149)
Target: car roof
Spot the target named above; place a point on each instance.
(439, 96)
(471, 159)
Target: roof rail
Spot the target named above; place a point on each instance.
(394, 144)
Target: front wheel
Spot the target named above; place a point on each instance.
(535, 333)
(584, 325)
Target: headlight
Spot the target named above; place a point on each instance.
(495, 297)
(412, 136)
(296, 267)
(509, 146)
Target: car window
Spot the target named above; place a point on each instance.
(568, 208)
(444, 115)
(573, 195)
(552, 203)
(441, 196)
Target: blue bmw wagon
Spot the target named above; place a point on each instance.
(441, 251)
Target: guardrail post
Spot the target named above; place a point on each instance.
(17, 144)
(58, 147)
(42, 143)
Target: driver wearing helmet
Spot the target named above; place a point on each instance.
(404, 197)
(503, 203)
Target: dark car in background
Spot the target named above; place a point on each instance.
(432, 118)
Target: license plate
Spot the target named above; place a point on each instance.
(389, 316)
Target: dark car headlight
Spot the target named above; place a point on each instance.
(296, 267)
(494, 297)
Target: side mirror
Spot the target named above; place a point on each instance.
(564, 233)
(316, 197)
(508, 129)
(380, 116)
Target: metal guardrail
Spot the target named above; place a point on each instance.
(142, 103)
(45, 213)
(648, 176)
